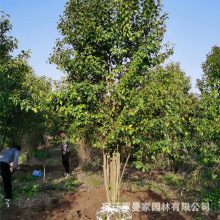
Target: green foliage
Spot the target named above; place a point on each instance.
(103, 33)
(28, 178)
(30, 189)
(119, 97)
(161, 116)
(108, 50)
(108, 58)
(12, 74)
(211, 67)
(70, 184)
(175, 180)
(25, 185)
(94, 166)
(20, 94)
(213, 198)
(116, 94)
(39, 154)
(7, 43)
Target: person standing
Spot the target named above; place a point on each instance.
(7, 157)
(65, 149)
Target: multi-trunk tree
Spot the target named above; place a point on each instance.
(108, 50)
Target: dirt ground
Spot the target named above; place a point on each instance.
(83, 203)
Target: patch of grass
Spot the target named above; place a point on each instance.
(213, 198)
(149, 185)
(86, 167)
(61, 197)
(193, 190)
(39, 154)
(71, 184)
(94, 166)
(28, 190)
(31, 212)
(95, 180)
(50, 161)
(28, 178)
(50, 186)
(123, 201)
(161, 188)
(175, 180)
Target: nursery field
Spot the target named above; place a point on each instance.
(82, 195)
(141, 143)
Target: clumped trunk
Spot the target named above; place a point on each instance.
(113, 175)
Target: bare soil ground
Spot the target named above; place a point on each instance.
(55, 203)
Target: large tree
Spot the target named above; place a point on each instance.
(108, 50)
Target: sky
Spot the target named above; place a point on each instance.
(193, 26)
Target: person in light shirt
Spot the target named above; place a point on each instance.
(7, 157)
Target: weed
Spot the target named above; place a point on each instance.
(71, 184)
(39, 154)
(148, 185)
(28, 190)
(95, 180)
(212, 197)
(32, 212)
(28, 178)
(86, 167)
(49, 161)
(94, 166)
(176, 181)
(123, 200)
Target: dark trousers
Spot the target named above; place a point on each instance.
(65, 160)
(6, 176)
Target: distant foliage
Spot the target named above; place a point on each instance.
(19, 94)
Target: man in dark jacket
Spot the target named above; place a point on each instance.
(7, 157)
(65, 149)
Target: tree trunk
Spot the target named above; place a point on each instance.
(111, 170)
(113, 176)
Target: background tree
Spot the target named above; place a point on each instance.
(163, 112)
(211, 69)
(209, 87)
(19, 87)
(208, 122)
